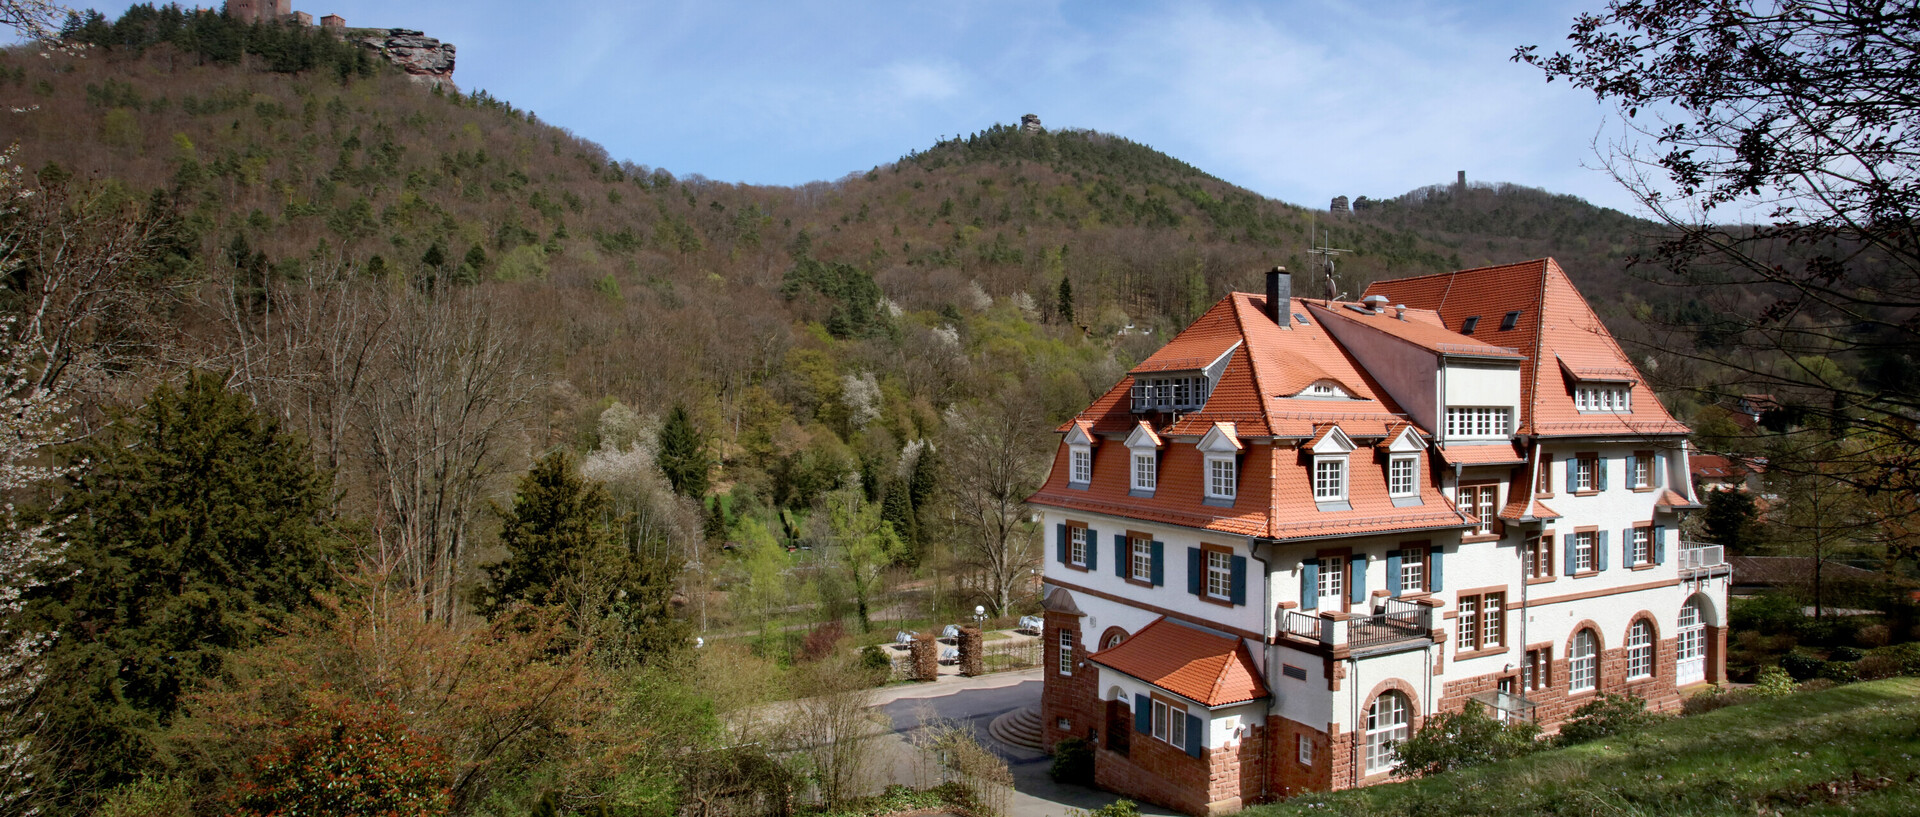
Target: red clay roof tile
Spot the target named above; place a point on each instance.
(1212, 670)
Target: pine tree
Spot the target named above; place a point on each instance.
(715, 526)
(683, 454)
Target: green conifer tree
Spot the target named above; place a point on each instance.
(683, 454)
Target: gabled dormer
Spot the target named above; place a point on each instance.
(1332, 452)
(1080, 442)
(1324, 389)
(1221, 448)
(1177, 385)
(1403, 452)
(1143, 450)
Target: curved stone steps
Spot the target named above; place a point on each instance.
(1020, 728)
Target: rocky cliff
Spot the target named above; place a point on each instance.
(425, 59)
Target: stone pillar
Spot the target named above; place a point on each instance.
(973, 657)
(925, 654)
(1716, 638)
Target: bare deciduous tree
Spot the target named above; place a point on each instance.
(995, 456)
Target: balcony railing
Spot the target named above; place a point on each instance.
(1698, 558)
(1398, 620)
(1301, 625)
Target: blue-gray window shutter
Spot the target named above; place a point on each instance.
(1633, 466)
(1358, 594)
(1237, 593)
(1600, 473)
(1599, 550)
(1433, 570)
(1393, 572)
(1310, 584)
(1566, 544)
(1659, 470)
(1093, 549)
(1060, 550)
(1142, 715)
(1626, 547)
(1195, 740)
(1122, 564)
(1659, 544)
(1159, 563)
(1196, 580)
(1573, 465)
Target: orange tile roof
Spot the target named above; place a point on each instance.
(1557, 332)
(1669, 499)
(1420, 327)
(1498, 454)
(1212, 670)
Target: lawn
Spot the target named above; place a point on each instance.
(1846, 750)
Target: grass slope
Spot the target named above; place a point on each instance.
(1847, 750)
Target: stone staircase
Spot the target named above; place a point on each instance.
(1019, 728)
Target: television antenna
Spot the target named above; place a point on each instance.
(1326, 254)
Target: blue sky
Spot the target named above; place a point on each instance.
(1300, 101)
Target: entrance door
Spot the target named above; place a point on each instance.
(1690, 660)
(1333, 583)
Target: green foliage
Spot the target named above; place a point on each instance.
(1607, 716)
(212, 35)
(1731, 519)
(348, 759)
(1772, 682)
(683, 454)
(1072, 762)
(1466, 738)
(198, 529)
(875, 660)
(1801, 665)
(855, 309)
(1906, 656)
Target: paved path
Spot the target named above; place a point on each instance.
(975, 702)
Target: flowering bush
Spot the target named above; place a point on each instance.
(348, 759)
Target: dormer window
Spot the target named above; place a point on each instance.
(1510, 320)
(1603, 397)
(1221, 447)
(1082, 473)
(1080, 455)
(1144, 459)
(1324, 389)
(1479, 422)
(1330, 478)
(1186, 392)
(1403, 467)
(1145, 471)
(1466, 327)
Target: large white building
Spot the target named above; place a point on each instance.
(1303, 526)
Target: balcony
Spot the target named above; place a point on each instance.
(1399, 622)
(1701, 560)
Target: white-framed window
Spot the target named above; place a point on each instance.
(1603, 397)
(1140, 558)
(1586, 472)
(1220, 574)
(1077, 546)
(1480, 622)
(1329, 478)
(1170, 723)
(1539, 556)
(1583, 551)
(1413, 570)
(1467, 624)
(1642, 474)
(1403, 474)
(1145, 466)
(1537, 672)
(1222, 480)
(1333, 578)
(1323, 388)
(1066, 652)
(1583, 663)
(1639, 650)
(1387, 726)
(1303, 749)
(1690, 653)
(1642, 545)
(1081, 461)
(1478, 501)
(1479, 422)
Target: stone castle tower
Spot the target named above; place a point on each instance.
(259, 11)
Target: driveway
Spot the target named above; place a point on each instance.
(975, 702)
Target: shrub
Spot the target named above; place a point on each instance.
(1465, 738)
(1876, 667)
(1847, 654)
(1906, 656)
(1874, 635)
(1840, 672)
(348, 759)
(1606, 716)
(1118, 808)
(875, 660)
(1709, 699)
(1772, 682)
(1801, 665)
(821, 641)
(1072, 762)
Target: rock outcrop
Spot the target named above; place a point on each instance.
(1031, 124)
(425, 59)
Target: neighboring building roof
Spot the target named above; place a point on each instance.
(1717, 468)
(1669, 501)
(1212, 670)
(1482, 454)
(1555, 330)
(1788, 571)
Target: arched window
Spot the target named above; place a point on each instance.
(1113, 637)
(1640, 650)
(1386, 728)
(1583, 662)
(1690, 657)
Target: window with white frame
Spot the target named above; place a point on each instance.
(1081, 460)
(1387, 726)
(1303, 749)
(1413, 570)
(1642, 474)
(1332, 577)
(1639, 650)
(1222, 481)
(1478, 422)
(1066, 652)
(1077, 546)
(1481, 622)
(1583, 544)
(1642, 545)
(1478, 501)
(1539, 556)
(1536, 673)
(1586, 472)
(1329, 478)
(1220, 575)
(1467, 624)
(1403, 474)
(1583, 663)
(1170, 723)
(1145, 466)
(1690, 646)
(1140, 558)
(1603, 397)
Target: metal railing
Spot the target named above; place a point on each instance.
(1299, 624)
(1397, 621)
(1701, 556)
